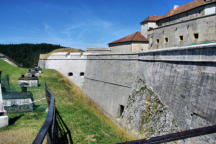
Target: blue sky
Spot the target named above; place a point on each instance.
(75, 23)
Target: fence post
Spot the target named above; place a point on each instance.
(47, 96)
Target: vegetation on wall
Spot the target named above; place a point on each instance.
(27, 55)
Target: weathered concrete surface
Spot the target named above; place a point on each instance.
(145, 115)
(108, 80)
(66, 63)
(204, 26)
(185, 80)
(182, 78)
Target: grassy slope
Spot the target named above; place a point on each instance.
(86, 122)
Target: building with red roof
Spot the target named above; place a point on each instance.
(132, 43)
(191, 23)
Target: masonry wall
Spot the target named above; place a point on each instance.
(70, 65)
(121, 48)
(205, 27)
(184, 78)
(194, 13)
(138, 47)
(108, 80)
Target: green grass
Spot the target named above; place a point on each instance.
(86, 123)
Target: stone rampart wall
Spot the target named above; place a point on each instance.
(184, 79)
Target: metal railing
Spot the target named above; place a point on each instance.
(175, 136)
(57, 132)
(54, 128)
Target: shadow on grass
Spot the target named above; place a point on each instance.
(39, 108)
(13, 120)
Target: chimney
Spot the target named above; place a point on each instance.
(175, 7)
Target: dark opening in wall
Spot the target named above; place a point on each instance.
(82, 74)
(166, 40)
(181, 38)
(158, 41)
(70, 74)
(121, 110)
(196, 35)
(188, 26)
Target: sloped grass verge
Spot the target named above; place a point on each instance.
(86, 123)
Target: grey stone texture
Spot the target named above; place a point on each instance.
(108, 80)
(145, 115)
(71, 65)
(182, 80)
(204, 26)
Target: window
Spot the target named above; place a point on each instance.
(181, 38)
(166, 40)
(121, 110)
(196, 36)
(70, 74)
(158, 41)
(82, 74)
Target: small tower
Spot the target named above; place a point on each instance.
(148, 24)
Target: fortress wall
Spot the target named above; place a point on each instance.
(66, 63)
(185, 81)
(108, 80)
(184, 78)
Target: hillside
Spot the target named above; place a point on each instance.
(27, 55)
(86, 123)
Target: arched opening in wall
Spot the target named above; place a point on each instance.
(121, 110)
(70, 74)
(81, 73)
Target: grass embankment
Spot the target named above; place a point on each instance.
(45, 56)
(86, 123)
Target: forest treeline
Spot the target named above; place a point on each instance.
(26, 55)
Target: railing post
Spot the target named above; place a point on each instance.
(47, 95)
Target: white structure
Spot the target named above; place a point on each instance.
(31, 82)
(3, 116)
(71, 65)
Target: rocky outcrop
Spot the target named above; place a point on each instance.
(145, 114)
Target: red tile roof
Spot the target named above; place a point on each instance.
(186, 7)
(152, 19)
(135, 37)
